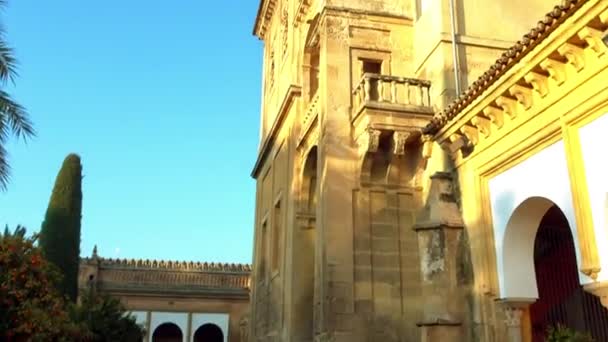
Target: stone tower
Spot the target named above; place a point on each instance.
(347, 85)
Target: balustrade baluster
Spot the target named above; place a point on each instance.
(421, 103)
(380, 87)
(393, 91)
(368, 88)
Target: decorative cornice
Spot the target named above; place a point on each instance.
(292, 92)
(141, 264)
(264, 17)
(565, 57)
(509, 58)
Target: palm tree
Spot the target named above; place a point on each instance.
(14, 119)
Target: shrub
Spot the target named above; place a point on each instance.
(564, 334)
(31, 309)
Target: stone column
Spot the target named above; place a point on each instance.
(514, 309)
(599, 289)
(439, 228)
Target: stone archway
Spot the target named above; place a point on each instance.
(518, 272)
(208, 333)
(167, 332)
(540, 267)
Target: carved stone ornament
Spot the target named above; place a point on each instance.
(593, 38)
(496, 115)
(574, 54)
(509, 106)
(538, 83)
(399, 139)
(369, 141)
(514, 308)
(555, 69)
(523, 95)
(482, 124)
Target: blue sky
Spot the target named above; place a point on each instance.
(161, 100)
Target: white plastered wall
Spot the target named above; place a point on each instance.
(537, 183)
(200, 319)
(594, 144)
(177, 318)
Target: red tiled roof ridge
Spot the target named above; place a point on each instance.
(507, 60)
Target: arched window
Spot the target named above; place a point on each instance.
(167, 332)
(208, 333)
(309, 182)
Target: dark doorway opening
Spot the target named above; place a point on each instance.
(167, 332)
(562, 299)
(209, 333)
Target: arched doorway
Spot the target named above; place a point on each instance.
(209, 333)
(167, 332)
(561, 298)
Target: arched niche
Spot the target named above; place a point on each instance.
(517, 267)
(167, 332)
(309, 184)
(312, 53)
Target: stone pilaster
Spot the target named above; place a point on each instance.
(514, 309)
(439, 228)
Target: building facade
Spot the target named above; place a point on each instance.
(176, 301)
(390, 209)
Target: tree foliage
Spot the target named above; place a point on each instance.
(106, 319)
(14, 119)
(31, 309)
(60, 233)
(561, 333)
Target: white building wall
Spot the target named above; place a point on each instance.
(543, 175)
(594, 143)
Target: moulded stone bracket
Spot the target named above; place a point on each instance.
(538, 82)
(369, 140)
(482, 124)
(522, 94)
(399, 139)
(593, 38)
(427, 146)
(556, 70)
(574, 54)
(471, 133)
(496, 115)
(599, 289)
(509, 106)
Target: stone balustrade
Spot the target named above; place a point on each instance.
(376, 88)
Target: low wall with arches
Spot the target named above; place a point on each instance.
(175, 301)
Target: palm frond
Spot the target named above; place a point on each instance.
(14, 118)
(5, 169)
(8, 62)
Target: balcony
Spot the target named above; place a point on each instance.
(391, 103)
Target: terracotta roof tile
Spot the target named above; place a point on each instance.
(509, 58)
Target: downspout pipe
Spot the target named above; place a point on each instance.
(455, 49)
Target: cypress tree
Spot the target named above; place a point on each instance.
(60, 232)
